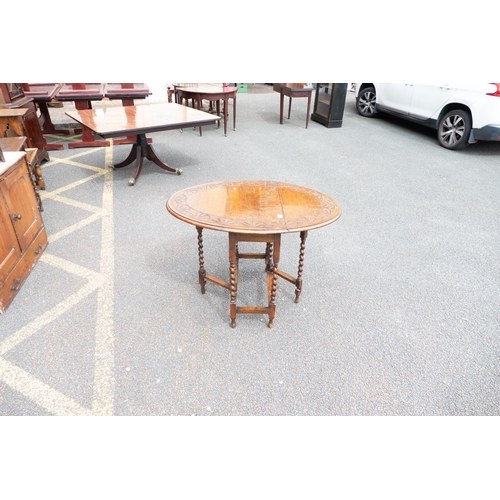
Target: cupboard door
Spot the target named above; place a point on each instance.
(21, 202)
(9, 246)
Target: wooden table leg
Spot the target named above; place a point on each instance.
(273, 282)
(48, 128)
(233, 276)
(308, 108)
(201, 272)
(226, 114)
(282, 99)
(140, 150)
(298, 283)
(199, 109)
(234, 112)
(289, 106)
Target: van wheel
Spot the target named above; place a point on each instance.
(454, 129)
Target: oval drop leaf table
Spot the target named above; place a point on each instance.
(258, 211)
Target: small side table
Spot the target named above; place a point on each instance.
(255, 211)
(213, 93)
(293, 90)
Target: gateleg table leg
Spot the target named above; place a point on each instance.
(233, 276)
(274, 280)
(201, 272)
(298, 283)
(269, 256)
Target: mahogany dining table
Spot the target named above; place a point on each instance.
(123, 121)
(253, 211)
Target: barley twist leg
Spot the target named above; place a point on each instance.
(269, 256)
(201, 272)
(272, 303)
(298, 282)
(233, 275)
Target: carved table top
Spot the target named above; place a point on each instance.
(265, 207)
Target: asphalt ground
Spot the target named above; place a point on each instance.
(399, 310)
(398, 317)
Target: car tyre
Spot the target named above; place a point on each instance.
(365, 103)
(454, 129)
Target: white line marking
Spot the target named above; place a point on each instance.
(39, 392)
(104, 379)
(31, 328)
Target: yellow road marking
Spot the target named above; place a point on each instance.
(103, 281)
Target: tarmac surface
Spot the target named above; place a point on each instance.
(399, 313)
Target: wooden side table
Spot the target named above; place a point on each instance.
(257, 211)
(213, 93)
(293, 90)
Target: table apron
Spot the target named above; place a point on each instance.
(150, 130)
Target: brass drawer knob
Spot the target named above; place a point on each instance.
(16, 286)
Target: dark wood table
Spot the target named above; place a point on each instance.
(82, 95)
(127, 93)
(213, 93)
(43, 94)
(257, 211)
(120, 121)
(293, 90)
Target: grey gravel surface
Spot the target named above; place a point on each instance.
(399, 312)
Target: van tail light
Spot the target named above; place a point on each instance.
(497, 92)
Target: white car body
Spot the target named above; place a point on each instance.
(428, 103)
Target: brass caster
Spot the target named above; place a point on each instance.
(131, 181)
(179, 171)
